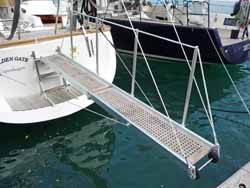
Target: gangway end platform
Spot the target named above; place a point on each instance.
(184, 144)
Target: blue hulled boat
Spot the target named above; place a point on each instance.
(216, 34)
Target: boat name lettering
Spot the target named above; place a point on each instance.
(246, 47)
(13, 58)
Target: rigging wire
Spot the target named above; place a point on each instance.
(12, 79)
(157, 89)
(207, 98)
(212, 108)
(208, 112)
(228, 74)
(92, 111)
(125, 66)
(186, 58)
(178, 42)
(146, 61)
(141, 31)
(229, 111)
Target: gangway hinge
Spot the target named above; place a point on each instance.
(214, 154)
(193, 173)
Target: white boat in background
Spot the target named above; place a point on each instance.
(30, 91)
(46, 10)
(41, 7)
(33, 14)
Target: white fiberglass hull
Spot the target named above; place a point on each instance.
(41, 7)
(18, 76)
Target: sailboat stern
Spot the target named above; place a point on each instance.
(32, 92)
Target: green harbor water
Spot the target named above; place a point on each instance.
(85, 150)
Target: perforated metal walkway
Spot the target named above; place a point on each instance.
(181, 142)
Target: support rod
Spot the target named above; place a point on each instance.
(71, 28)
(190, 84)
(97, 48)
(134, 63)
(57, 15)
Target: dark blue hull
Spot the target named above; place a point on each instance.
(196, 36)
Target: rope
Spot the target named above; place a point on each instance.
(228, 74)
(229, 111)
(159, 94)
(180, 99)
(84, 31)
(209, 115)
(212, 108)
(12, 79)
(177, 42)
(207, 98)
(94, 112)
(125, 66)
(166, 39)
(143, 32)
(146, 61)
(102, 115)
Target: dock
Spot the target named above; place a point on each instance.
(184, 144)
(240, 179)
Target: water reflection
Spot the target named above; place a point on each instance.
(172, 80)
(72, 159)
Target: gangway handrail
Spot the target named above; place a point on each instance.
(208, 112)
(159, 129)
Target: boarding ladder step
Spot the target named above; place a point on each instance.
(48, 78)
(184, 144)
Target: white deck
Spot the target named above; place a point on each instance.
(26, 97)
(55, 95)
(225, 37)
(35, 33)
